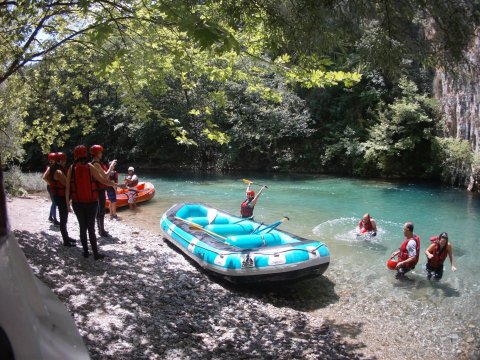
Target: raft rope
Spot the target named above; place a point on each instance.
(253, 252)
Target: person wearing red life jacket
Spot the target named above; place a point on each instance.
(247, 206)
(81, 190)
(58, 180)
(52, 217)
(409, 251)
(436, 254)
(367, 225)
(97, 151)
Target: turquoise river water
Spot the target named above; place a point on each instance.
(329, 208)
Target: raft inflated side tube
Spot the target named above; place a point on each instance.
(391, 264)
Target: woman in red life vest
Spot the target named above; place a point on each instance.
(437, 253)
(367, 225)
(58, 180)
(97, 151)
(81, 189)
(246, 207)
(53, 208)
(409, 251)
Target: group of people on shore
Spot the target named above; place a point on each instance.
(409, 252)
(84, 186)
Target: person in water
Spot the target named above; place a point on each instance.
(81, 189)
(436, 254)
(409, 251)
(131, 181)
(367, 225)
(247, 206)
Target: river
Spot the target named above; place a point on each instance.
(328, 209)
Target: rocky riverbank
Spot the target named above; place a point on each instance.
(146, 301)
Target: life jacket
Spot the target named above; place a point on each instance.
(100, 186)
(439, 256)
(365, 227)
(245, 210)
(403, 255)
(56, 187)
(83, 187)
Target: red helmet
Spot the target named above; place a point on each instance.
(391, 264)
(95, 149)
(80, 151)
(250, 193)
(61, 156)
(52, 156)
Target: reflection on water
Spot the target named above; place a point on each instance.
(329, 209)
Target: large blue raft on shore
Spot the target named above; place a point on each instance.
(242, 250)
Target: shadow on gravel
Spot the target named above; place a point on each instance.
(304, 295)
(147, 302)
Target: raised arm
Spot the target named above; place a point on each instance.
(100, 178)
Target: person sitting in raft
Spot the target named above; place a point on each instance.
(436, 254)
(247, 206)
(131, 181)
(409, 251)
(367, 225)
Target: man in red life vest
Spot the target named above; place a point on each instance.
(436, 254)
(409, 251)
(367, 225)
(246, 207)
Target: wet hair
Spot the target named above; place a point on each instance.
(409, 225)
(443, 235)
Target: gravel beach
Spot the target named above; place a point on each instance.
(147, 301)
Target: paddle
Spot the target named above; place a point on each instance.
(246, 181)
(272, 226)
(196, 226)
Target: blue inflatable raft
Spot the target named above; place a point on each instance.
(242, 250)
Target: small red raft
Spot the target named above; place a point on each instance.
(145, 191)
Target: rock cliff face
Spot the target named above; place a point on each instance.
(458, 90)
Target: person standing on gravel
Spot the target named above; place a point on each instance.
(131, 181)
(52, 217)
(97, 151)
(58, 180)
(111, 192)
(81, 189)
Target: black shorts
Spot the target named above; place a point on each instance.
(436, 273)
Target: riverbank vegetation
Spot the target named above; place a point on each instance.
(298, 86)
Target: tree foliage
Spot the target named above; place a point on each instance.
(400, 143)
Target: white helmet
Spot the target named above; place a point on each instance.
(131, 169)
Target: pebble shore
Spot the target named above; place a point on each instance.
(147, 301)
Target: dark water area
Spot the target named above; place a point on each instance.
(329, 208)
